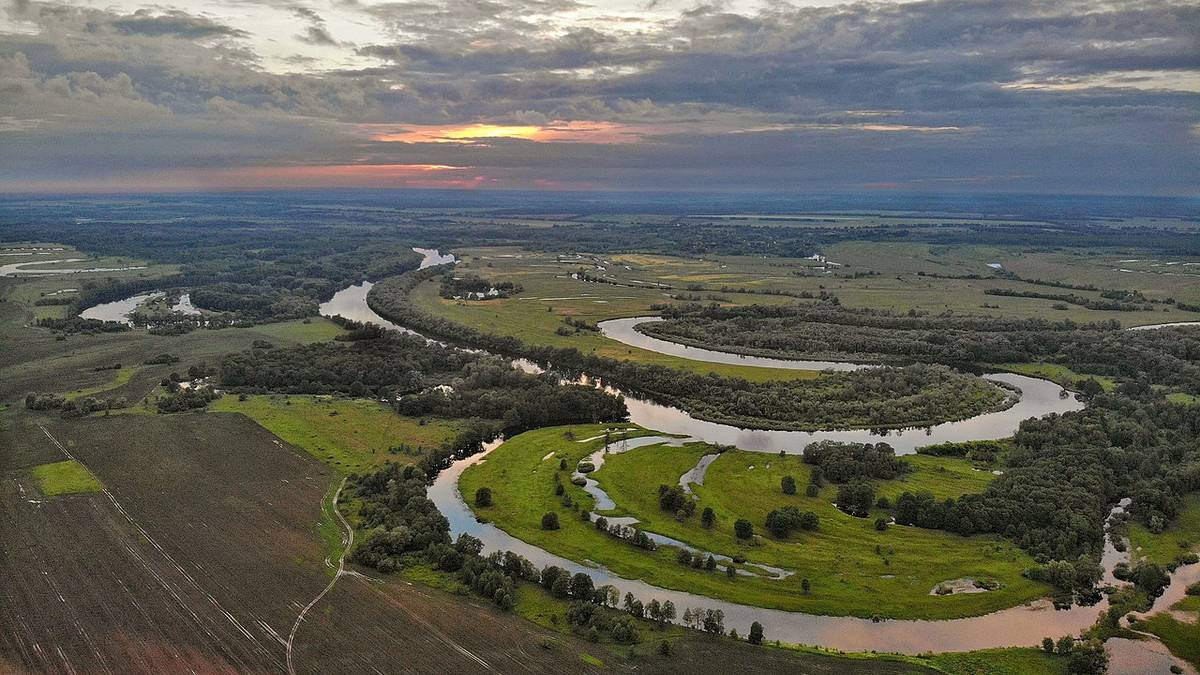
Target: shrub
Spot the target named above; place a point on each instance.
(550, 521)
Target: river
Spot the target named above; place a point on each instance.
(1018, 626)
(16, 269)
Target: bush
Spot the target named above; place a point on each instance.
(743, 528)
(550, 521)
(788, 485)
(483, 496)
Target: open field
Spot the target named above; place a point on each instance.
(849, 574)
(347, 435)
(550, 296)
(64, 478)
(894, 276)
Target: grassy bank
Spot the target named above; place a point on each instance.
(853, 568)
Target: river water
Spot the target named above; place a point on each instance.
(1018, 626)
(20, 268)
(118, 310)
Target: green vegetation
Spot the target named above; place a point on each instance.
(64, 478)
(348, 435)
(1060, 374)
(121, 376)
(1177, 538)
(536, 315)
(1013, 661)
(848, 574)
(1181, 637)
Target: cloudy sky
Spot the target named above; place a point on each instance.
(1056, 96)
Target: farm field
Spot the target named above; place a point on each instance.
(853, 568)
(200, 558)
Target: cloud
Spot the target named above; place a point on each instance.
(172, 23)
(1024, 94)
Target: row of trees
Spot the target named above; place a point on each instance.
(1170, 357)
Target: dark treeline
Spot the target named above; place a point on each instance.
(472, 287)
(421, 378)
(917, 395)
(845, 462)
(1165, 356)
(1064, 473)
(1103, 304)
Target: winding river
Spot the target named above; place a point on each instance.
(1018, 626)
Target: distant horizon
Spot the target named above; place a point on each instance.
(1004, 96)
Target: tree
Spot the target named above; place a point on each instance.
(743, 528)
(805, 585)
(664, 648)
(582, 587)
(483, 496)
(668, 611)
(756, 634)
(707, 517)
(550, 521)
(710, 563)
(1065, 644)
(812, 490)
(1088, 658)
(1048, 645)
(788, 485)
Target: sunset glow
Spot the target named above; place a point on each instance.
(588, 131)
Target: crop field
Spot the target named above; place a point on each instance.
(203, 548)
(853, 568)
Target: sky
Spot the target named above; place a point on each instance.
(1016, 96)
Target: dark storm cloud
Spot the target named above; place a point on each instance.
(172, 23)
(1011, 94)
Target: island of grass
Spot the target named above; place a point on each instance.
(64, 478)
(852, 567)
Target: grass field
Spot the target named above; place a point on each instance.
(847, 573)
(1181, 637)
(64, 478)
(1180, 536)
(899, 280)
(1062, 375)
(347, 435)
(550, 296)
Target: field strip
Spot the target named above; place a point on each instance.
(179, 568)
(349, 541)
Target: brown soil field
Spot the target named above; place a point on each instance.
(203, 549)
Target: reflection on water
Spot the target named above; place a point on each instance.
(118, 310)
(22, 268)
(1038, 398)
(622, 330)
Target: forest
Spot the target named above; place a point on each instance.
(917, 395)
(1167, 357)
